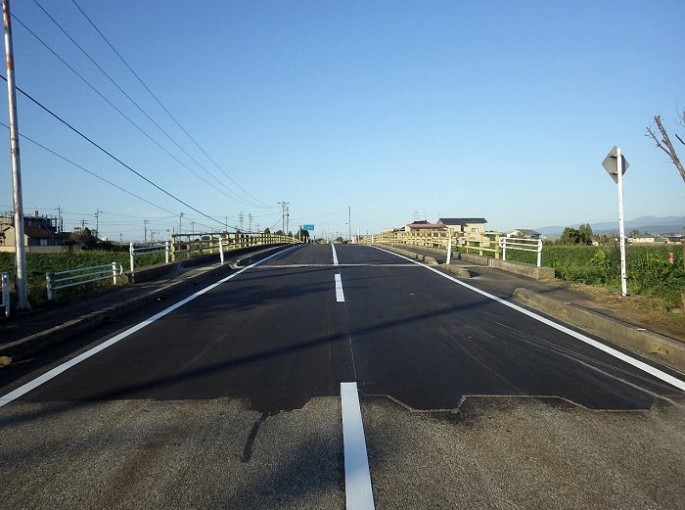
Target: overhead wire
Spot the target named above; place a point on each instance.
(112, 156)
(120, 112)
(140, 109)
(159, 102)
(63, 158)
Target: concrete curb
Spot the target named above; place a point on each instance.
(463, 272)
(661, 348)
(412, 255)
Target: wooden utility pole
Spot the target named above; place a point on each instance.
(20, 250)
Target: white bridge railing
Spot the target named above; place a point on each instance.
(513, 243)
(5, 293)
(148, 249)
(81, 275)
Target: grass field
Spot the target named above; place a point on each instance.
(649, 272)
(37, 264)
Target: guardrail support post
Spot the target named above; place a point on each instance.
(48, 284)
(449, 250)
(4, 285)
(114, 273)
(167, 249)
(539, 252)
(221, 250)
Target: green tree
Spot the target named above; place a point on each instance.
(585, 232)
(302, 234)
(267, 231)
(570, 235)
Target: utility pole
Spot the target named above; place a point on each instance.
(287, 218)
(241, 220)
(145, 222)
(97, 223)
(60, 221)
(180, 219)
(349, 224)
(20, 250)
(249, 222)
(284, 207)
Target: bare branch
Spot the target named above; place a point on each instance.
(653, 136)
(666, 141)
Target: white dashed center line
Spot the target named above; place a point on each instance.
(358, 491)
(339, 294)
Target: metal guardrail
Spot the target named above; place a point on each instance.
(148, 249)
(5, 293)
(182, 246)
(491, 244)
(79, 276)
(189, 245)
(513, 243)
(464, 242)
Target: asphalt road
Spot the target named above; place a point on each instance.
(232, 400)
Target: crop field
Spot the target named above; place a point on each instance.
(648, 269)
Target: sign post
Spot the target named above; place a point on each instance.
(616, 165)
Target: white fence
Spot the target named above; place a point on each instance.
(148, 249)
(513, 243)
(5, 293)
(81, 275)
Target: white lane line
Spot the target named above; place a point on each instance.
(641, 365)
(339, 294)
(335, 255)
(358, 491)
(47, 376)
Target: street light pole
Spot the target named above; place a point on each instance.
(20, 251)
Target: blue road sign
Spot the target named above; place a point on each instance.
(308, 227)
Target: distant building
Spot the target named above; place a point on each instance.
(424, 226)
(523, 233)
(40, 233)
(464, 225)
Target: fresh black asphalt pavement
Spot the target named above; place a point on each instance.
(232, 400)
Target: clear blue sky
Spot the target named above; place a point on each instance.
(396, 109)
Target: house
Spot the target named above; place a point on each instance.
(523, 233)
(464, 225)
(40, 232)
(424, 226)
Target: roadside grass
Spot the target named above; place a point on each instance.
(648, 270)
(37, 264)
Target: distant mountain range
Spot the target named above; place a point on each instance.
(645, 224)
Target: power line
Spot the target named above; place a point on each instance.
(112, 156)
(87, 55)
(118, 110)
(88, 171)
(140, 80)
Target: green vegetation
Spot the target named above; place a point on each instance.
(649, 272)
(37, 264)
(580, 235)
